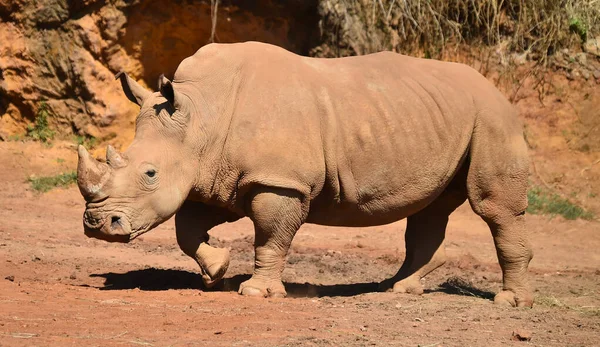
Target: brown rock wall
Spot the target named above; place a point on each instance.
(66, 52)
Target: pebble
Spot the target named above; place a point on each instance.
(585, 74)
(521, 335)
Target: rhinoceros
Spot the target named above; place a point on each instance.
(252, 130)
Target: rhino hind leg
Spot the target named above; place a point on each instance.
(497, 191)
(514, 255)
(424, 253)
(277, 214)
(424, 238)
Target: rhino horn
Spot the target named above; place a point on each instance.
(92, 175)
(114, 158)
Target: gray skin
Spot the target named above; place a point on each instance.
(251, 130)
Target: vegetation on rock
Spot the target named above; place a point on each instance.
(429, 27)
(40, 130)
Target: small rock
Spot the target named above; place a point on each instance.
(521, 335)
(520, 59)
(597, 74)
(581, 58)
(573, 75)
(419, 320)
(592, 46)
(363, 328)
(218, 332)
(73, 276)
(313, 328)
(10, 278)
(585, 74)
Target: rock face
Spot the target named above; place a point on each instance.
(62, 53)
(65, 53)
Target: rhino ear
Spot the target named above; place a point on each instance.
(168, 92)
(134, 92)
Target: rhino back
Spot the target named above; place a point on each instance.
(371, 138)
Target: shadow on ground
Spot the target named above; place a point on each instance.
(164, 279)
(458, 286)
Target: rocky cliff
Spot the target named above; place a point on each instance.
(63, 54)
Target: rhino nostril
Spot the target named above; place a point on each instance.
(115, 222)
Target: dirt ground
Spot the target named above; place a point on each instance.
(59, 288)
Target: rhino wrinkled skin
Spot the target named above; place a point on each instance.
(250, 129)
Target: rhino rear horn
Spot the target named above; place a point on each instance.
(133, 90)
(114, 158)
(91, 175)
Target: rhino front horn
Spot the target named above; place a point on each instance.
(114, 158)
(91, 175)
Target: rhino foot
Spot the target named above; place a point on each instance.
(213, 263)
(508, 297)
(262, 287)
(409, 285)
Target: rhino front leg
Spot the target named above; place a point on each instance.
(192, 223)
(277, 215)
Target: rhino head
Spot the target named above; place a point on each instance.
(133, 192)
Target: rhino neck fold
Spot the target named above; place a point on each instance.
(214, 83)
(211, 122)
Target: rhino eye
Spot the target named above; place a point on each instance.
(151, 173)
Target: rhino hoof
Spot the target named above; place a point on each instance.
(262, 288)
(507, 297)
(405, 286)
(214, 271)
(408, 288)
(250, 291)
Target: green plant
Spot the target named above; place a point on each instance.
(15, 137)
(47, 183)
(40, 130)
(578, 27)
(546, 202)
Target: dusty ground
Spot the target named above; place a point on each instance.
(59, 288)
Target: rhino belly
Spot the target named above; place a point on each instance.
(389, 194)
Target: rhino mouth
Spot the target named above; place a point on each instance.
(137, 233)
(113, 228)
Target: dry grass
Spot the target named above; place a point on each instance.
(500, 38)
(536, 26)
